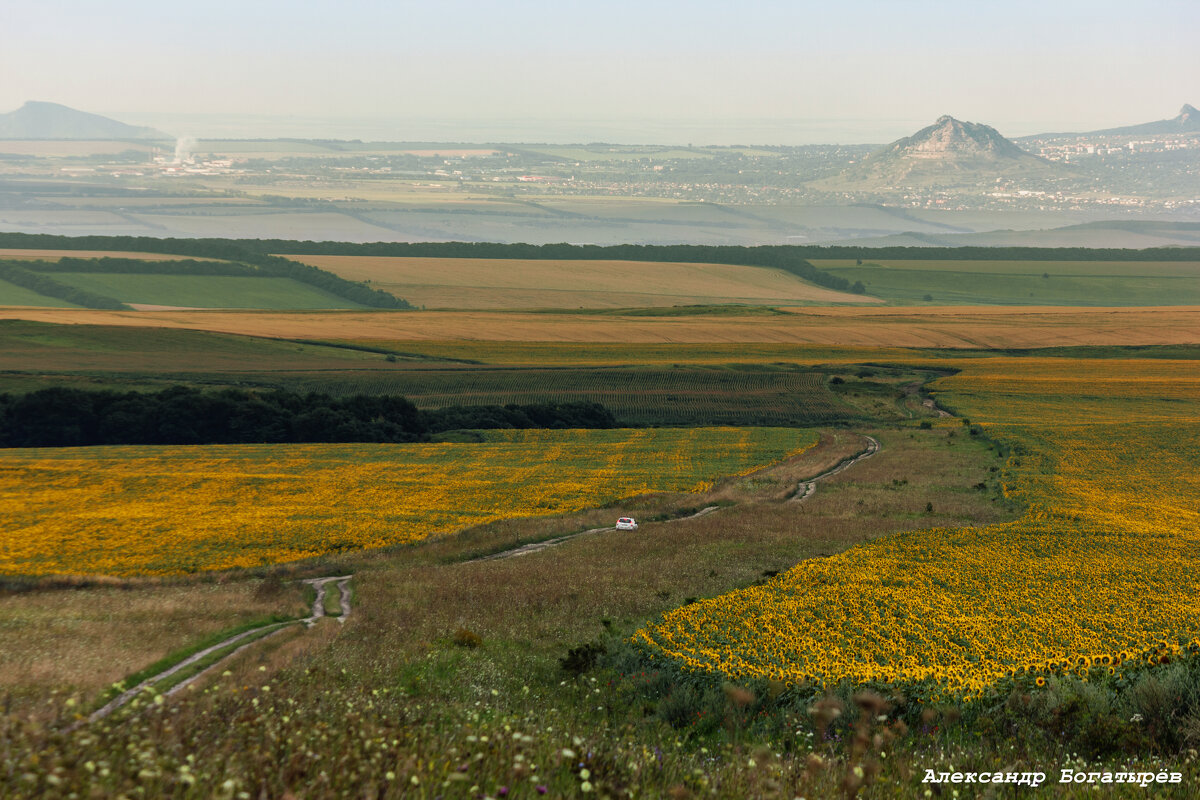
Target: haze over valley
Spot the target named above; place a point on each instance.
(953, 182)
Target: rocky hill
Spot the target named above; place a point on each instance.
(948, 153)
(38, 120)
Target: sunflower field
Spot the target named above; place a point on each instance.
(1100, 574)
(170, 510)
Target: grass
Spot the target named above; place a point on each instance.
(83, 640)
(727, 395)
(175, 657)
(268, 628)
(50, 347)
(1051, 287)
(470, 283)
(612, 354)
(680, 385)
(1083, 269)
(13, 295)
(205, 291)
(333, 599)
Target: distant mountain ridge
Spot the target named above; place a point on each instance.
(949, 152)
(39, 120)
(1187, 121)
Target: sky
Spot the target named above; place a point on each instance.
(653, 71)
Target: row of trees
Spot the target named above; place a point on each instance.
(779, 256)
(66, 417)
(17, 273)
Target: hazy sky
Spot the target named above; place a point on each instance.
(754, 70)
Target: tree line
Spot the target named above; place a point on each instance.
(19, 273)
(69, 417)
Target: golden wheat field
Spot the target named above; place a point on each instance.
(1102, 571)
(167, 510)
(511, 283)
(973, 327)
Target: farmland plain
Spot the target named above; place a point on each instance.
(1016, 586)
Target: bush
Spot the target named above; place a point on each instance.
(467, 638)
(579, 660)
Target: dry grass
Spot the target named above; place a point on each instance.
(83, 640)
(967, 327)
(559, 596)
(511, 283)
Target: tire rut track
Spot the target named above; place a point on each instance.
(805, 489)
(318, 611)
(536, 547)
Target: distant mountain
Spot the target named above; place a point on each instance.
(947, 153)
(1188, 121)
(36, 120)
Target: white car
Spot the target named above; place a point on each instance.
(626, 524)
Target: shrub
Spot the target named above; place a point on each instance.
(467, 638)
(579, 660)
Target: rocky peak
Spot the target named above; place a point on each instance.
(952, 138)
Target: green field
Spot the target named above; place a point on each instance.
(107, 349)
(205, 291)
(1122, 269)
(1069, 283)
(745, 395)
(715, 388)
(13, 295)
